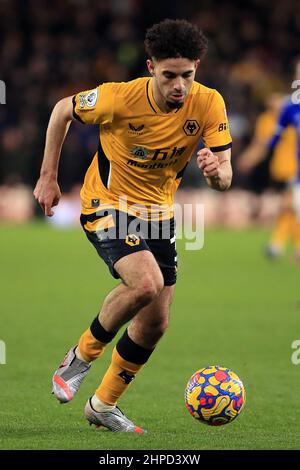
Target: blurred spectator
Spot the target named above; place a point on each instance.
(67, 211)
(16, 203)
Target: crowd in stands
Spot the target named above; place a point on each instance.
(52, 48)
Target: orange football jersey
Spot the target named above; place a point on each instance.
(143, 151)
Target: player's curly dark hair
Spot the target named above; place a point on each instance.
(171, 39)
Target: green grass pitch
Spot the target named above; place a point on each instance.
(232, 307)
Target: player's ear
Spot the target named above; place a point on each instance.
(197, 63)
(150, 66)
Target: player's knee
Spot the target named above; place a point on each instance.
(148, 289)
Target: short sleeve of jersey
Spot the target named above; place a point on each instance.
(95, 106)
(216, 133)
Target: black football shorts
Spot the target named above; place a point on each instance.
(115, 234)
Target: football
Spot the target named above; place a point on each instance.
(215, 395)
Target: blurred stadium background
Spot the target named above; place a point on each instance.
(53, 49)
(239, 310)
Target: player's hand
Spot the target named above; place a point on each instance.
(208, 163)
(48, 194)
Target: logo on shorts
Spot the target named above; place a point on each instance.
(95, 202)
(132, 240)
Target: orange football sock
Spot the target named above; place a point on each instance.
(117, 379)
(89, 347)
(93, 341)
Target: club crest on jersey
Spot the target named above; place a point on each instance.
(132, 240)
(191, 127)
(140, 152)
(135, 130)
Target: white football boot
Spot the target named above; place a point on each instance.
(69, 376)
(113, 420)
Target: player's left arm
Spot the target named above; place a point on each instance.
(214, 160)
(216, 168)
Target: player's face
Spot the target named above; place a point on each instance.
(173, 79)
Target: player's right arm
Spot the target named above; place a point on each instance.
(88, 107)
(47, 191)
